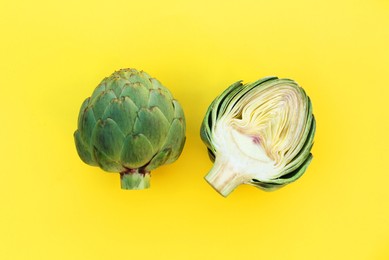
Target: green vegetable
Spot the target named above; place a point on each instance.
(131, 124)
(260, 134)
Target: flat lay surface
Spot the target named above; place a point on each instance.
(52, 56)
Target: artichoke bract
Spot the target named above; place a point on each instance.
(259, 133)
(131, 125)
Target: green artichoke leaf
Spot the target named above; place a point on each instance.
(175, 139)
(116, 85)
(211, 155)
(266, 186)
(83, 150)
(306, 137)
(178, 111)
(225, 99)
(87, 125)
(158, 99)
(108, 138)
(137, 93)
(106, 163)
(159, 159)
(305, 151)
(153, 124)
(137, 151)
(124, 112)
(158, 86)
(84, 105)
(142, 79)
(220, 104)
(102, 87)
(205, 133)
(102, 102)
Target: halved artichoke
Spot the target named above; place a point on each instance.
(259, 133)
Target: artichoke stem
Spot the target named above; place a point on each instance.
(134, 180)
(223, 178)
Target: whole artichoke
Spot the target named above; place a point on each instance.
(259, 133)
(131, 124)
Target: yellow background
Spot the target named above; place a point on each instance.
(54, 53)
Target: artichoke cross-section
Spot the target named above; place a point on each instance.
(258, 133)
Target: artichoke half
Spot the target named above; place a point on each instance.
(131, 125)
(260, 134)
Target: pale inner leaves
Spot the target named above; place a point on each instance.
(262, 130)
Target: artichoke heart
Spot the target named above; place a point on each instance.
(131, 124)
(260, 134)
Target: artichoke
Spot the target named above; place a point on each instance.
(260, 134)
(131, 125)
